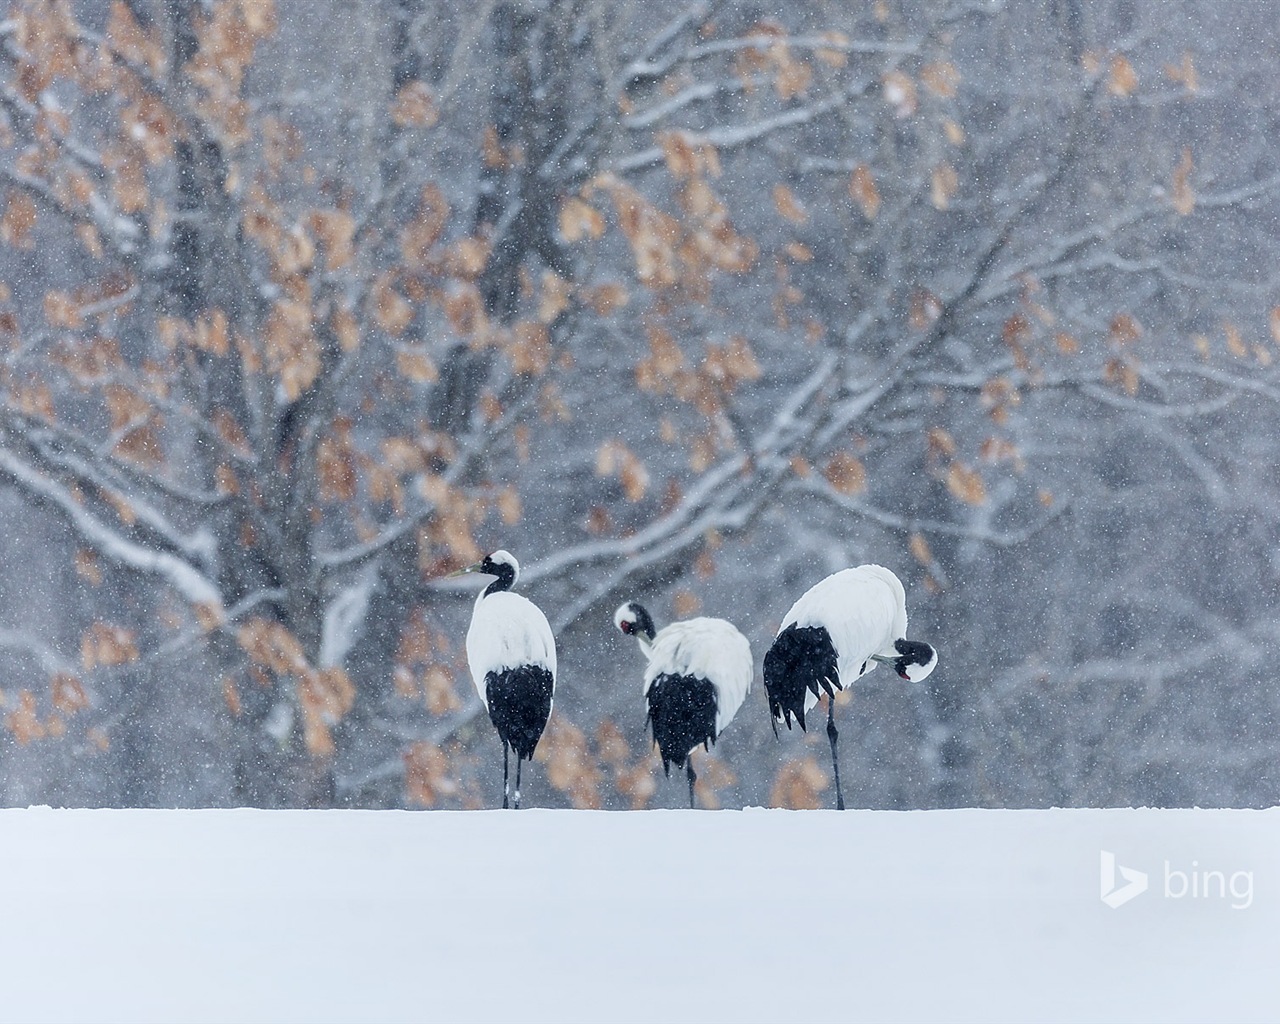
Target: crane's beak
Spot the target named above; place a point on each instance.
(464, 571)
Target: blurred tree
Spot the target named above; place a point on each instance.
(305, 306)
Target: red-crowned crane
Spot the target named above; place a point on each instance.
(839, 630)
(698, 675)
(512, 656)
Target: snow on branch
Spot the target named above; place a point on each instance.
(50, 661)
(57, 446)
(343, 620)
(647, 65)
(907, 526)
(732, 137)
(181, 575)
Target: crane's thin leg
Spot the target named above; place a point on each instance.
(693, 777)
(506, 787)
(518, 763)
(833, 734)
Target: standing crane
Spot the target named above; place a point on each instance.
(698, 675)
(512, 656)
(839, 630)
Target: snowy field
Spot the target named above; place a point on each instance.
(647, 916)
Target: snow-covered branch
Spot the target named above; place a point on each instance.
(179, 573)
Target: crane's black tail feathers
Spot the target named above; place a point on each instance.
(519, 705)
(682, 715)
(801, 660)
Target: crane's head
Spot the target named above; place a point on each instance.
(501, 564)
(917, 659)
(634, 620)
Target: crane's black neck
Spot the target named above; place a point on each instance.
(506, 576)
(644, 622)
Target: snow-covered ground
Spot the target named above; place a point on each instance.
(647, 916)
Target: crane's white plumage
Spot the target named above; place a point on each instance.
(705, 648)
(698, 674)
(863, 610)
(512, 656)
(839, 630)
(507, 631)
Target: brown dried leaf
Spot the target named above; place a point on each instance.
(939, 443)
(704, 566)
(1122, 80)
(713, 775)
(615, 459)
(965, 483)
(1066, 343)
(685, 603)
(945, 182)
(863, 191)
(799, 785)
(553, 296)
(68, 693)
(439, 692)
(846, 473)
(570, 767)
(680, 152)
(925, 309)
(141, 446)
(467, 258)
(126, 37)
(919, 548)
(422, 233)
(346, 329)
(464, 309)
(509, 506)
(336, 230)
(104, 644)
(1184, 72)
(1235, 340)
(530, 349)
(727, 366)
(1015, 334)
(598, 521)
(786, 203)
(612, 744)
(1182, 194)
(231, 696)
(336, 464)
(292, 351)
(272, 646)
(1123, 373)
(210, 334)
(89, 566)
(1124, 329)
(415, 365)
(325, 696)
(19, 220)
(999, 449)
(427, 775)
(941, 78)
(793, 75)
(579, 220)
(636, 783)
(415, 106)
(62, 310)
(391, 310)
(129, 184)
(209, 615)
(23, 721)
